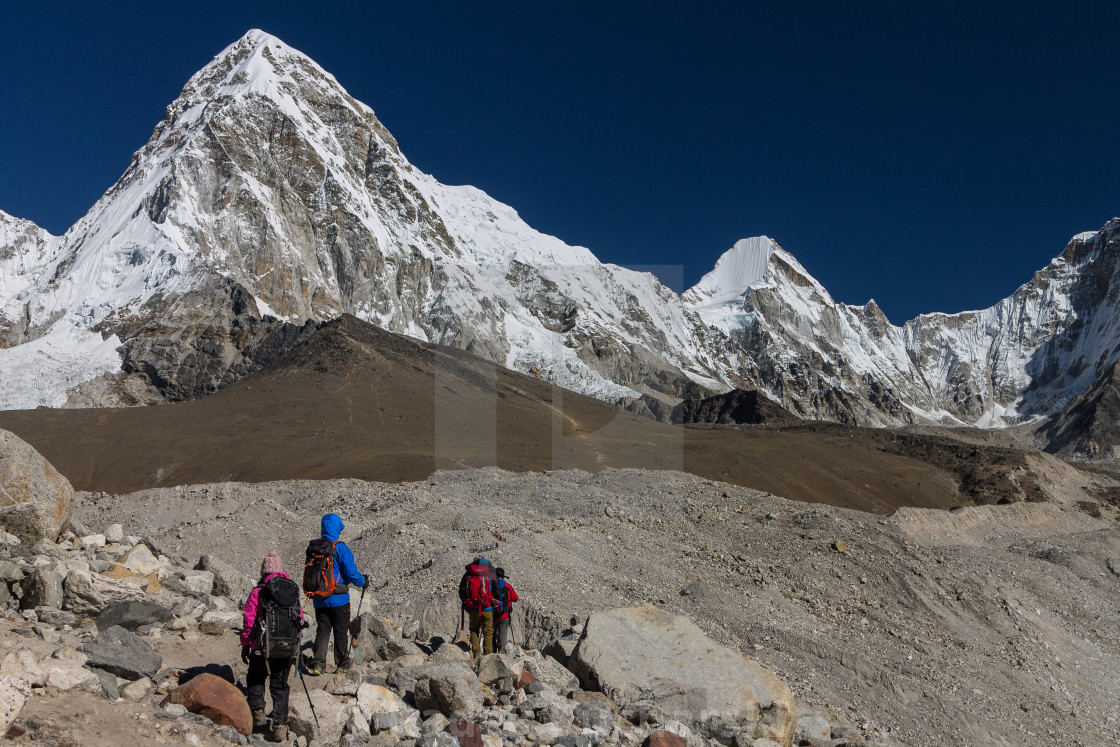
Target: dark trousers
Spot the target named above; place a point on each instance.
(501, 634)
(336, 619)
(276, 671)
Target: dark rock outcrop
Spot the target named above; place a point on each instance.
(737, 407)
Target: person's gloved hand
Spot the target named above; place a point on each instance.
(245, 650)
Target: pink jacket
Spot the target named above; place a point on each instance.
(252, 606)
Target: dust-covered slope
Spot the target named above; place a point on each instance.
(983, 626)
(352, 400)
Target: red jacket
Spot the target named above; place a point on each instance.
(252, 606)
(512, 599)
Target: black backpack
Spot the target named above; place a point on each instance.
(278, 619)
(318, 573)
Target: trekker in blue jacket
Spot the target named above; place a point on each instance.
(333, 612)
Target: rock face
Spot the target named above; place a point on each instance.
(35, 500)
(1089, 427)
(646, 656)
(737, 407)
(216, 699)
(122, 653)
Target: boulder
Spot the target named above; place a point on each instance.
(814, 728)
(357, 724)
(35, 499)
(495, 667)
(381, 639)
(220, 701)
(56, 617)
(70, 676)
(92, 541)
(228, 581)
(9, 571)
(140, 561)
(373, 699)
(219, 623)
(139, 690)
(468, 733)
(645, 655)
(41, 588)
(332, 717)
(561, 649)
(24, 664)
(552, 673)
(14, 693)
(191, 583)
(131, 615)
(114, 533)
(664, 738)
(122, 653)
(594, 715)
(437, 739)
(452, 689)
(85, 593)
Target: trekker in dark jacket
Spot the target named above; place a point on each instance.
(505, 596)
(274, 670)
(333, 613)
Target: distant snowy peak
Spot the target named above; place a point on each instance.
(736, 271)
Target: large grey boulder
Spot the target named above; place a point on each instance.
(122, 653)
(451, 688)
(35, 499)
(85, 593)
(131, 615)
(647, 656)
(382, 640)
(228, 580)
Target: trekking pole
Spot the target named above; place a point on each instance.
(299, 670)
(308, 694)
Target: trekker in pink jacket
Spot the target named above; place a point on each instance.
(270, 639)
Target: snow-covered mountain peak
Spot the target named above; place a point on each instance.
(736, 271)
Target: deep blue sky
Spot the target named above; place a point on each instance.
(930, 158)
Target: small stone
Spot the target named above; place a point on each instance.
(93, 540)
(139, 690)
(840, 546)
(114, 533)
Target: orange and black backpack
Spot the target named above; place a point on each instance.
(318, 573)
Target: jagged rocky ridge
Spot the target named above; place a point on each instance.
(268, 196)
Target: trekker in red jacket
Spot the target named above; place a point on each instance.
(505, 596)
(272, 604)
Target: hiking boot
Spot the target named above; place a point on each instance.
(280, 733)
(260, 720)
(315, 670)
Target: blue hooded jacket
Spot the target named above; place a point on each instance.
(345, 571)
